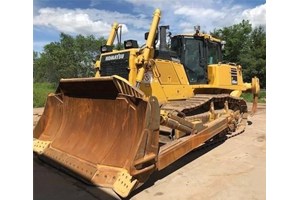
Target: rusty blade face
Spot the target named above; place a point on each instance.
(101, 131)
(91, 129)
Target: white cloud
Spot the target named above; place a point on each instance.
(257, 15)
(163, 4)
(210, 18)
(182, 16)
(70, 21)
(198, 12)
(209, 14)
(86, 21)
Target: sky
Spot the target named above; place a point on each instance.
(95, 17)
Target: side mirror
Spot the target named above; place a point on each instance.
(146, 35)
(223, 44)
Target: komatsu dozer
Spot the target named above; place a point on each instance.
(145, 108)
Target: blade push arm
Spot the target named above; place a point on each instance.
(145, 56)
(112, 34)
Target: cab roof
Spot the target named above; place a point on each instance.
(204, 35)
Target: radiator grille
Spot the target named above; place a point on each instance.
(115, 64)
(234, 80)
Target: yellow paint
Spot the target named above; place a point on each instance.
(170, 81)
(112, 35)
(97, 68)
(167, 80)
(167, 72)
(123, 184)
(132, 66)
(236, 93)
(154, 89)
(180, 73)
(39, 145)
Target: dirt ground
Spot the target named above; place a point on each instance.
(235, 169)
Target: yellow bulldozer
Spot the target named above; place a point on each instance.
(145, 108)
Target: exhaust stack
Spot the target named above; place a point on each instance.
(163, 38)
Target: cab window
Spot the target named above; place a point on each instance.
(213, 53)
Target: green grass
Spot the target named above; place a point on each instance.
(40, 93)
(261, 98)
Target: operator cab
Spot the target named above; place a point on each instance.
(196, 52)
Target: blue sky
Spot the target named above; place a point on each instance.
(94, 17)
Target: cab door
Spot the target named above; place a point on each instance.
(194, 60)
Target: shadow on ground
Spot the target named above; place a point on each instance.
(51, 183)
(175, 166)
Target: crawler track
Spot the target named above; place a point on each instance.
(200, 103)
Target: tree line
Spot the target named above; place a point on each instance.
(73, 57)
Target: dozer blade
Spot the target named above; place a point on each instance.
(101, 130)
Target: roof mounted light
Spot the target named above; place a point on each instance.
(106, 48)
(128, 44)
